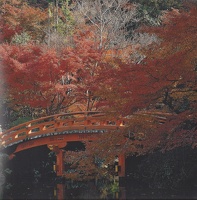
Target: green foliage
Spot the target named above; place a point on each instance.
(114, 187)
(20, 120)
(67, 26)
(21, 39)
(61, 19)
(150, 11)
(108, 189)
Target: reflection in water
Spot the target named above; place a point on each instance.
(90, 190)
(59, 191)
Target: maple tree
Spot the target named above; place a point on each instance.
(80, 65)
(164, 83)
(42, 78)
(166, 77)
(17, 17)
(177, 55)
(88, 77)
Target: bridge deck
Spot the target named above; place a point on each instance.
(56, 130)
(61, 124)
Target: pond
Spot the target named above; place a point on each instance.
(29, 176)
(55, 189)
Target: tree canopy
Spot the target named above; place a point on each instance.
(132, 59)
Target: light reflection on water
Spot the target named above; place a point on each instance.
(89, 190)
(52, 191)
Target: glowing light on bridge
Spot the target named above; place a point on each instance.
(56, 130)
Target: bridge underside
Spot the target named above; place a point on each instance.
(56, 130)
(57, 142)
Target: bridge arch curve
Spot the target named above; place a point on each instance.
(56, 130)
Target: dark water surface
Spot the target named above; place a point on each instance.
(23, 189)
(31, 178)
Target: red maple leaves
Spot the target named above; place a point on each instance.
(81, 74)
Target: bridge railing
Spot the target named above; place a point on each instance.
(55, 124)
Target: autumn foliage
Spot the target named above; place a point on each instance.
(82, 76)
(40, 77)
(18, 17)
(162, 85)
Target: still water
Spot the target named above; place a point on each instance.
(23, 189)
(26, 179)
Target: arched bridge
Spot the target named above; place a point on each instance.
(56, 130)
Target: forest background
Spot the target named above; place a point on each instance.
(128, 58)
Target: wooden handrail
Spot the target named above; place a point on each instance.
(44, 126)
(20, 126)
(60, 123)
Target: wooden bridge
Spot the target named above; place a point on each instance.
(56, 130)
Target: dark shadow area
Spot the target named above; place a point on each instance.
(163, 175)
(169, 175)
(32, 165)
(75, 146)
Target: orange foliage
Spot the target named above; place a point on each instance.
(40, 77)
(17, 17)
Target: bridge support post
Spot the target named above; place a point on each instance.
(59, 192)
(60, 162)
(59, 167)
(121, 162)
